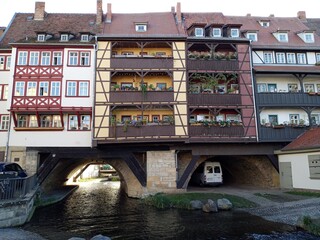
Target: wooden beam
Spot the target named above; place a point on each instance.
(274, 161)
(189, 168)
(135, 167)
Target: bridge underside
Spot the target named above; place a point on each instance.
(145, 170)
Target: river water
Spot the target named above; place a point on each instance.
(102, 208)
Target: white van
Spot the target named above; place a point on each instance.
(208, 173)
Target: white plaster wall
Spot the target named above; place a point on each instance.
(283, 115)
(300, 171)
(78, 73)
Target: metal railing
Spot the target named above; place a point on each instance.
(16, 188)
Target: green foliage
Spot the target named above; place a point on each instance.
(311, 225)
(164, 201)
(305, 193)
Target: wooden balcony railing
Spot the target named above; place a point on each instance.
(142, 131)
(36, 101)
(39, 71)
(284, 134)
(216, 131)
(214, 99)
(139, 96)
(138, 63)
(221, 65)
(286, 99)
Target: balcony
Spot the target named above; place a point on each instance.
(284, 134)
(216, 131)
(139, 96)
(135, 62)
(287, 99)
(142, 131)
(214, 99)
(221, 65)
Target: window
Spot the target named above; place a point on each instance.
(283, 37)
(45, 120)
(294, 119)
(262, 87)
(198, 32)
(22, 121)
(2, 63)
(84, 38)
(281, 57)
(308, 37)
(234, 32)
(318, 88)
(155, 118)
(3, 92)
(57, 58)
(8, 62)
(43, 89)
(216, 32)
(56, 121)
(273, 119)
(83, 88)
(73, 58)
(301, 58)
(19, 89)
(32, 89)
(318, 57)
(291, 58)
(308, 87)
(161, 86)
(272, 87)
(85, 122)
(34, 58)
(315, 119)
(252, 36)
(71, 88)
(264, 23)
(55, 89)
(41, 37)
(267, 57)
(64, 38)
(4, 122)
(33, 122)
(45, 58)
(84, 57)
(22, 58)
(314, 166)
(292, 87)
(141, 27)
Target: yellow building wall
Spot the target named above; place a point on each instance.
(148, 80)
(147, 114)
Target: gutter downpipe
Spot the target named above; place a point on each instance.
(253, 91)
(176, 163)
(94, 88)
(8, 140)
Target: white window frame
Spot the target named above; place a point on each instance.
(46, 121)
(22, 58)
(141, 27)
(64, 37)
(301, 58)
(57, 58)
(281, 57)
(41, 38)
(85, 121)
(8, 63)
(309, 87)
(2, 62)
(234, 32)
(34, 58)
(309, 37)
(216, 34)
(318, 57)
(55, 88)
(83, 89)
(22, 120)
(33, 121)
(283, 37)
(252, 36)
(268, 57)
(4, 123)
(19, 88)
(198, 32)
(43, 88)
(31, 89)
(71, 89)
(85, 38)
(85, 58)
(73, 58)
(73, 123)
(291, 58)
(264, 23)
(294, 119)
(262, 87)
(45, 58)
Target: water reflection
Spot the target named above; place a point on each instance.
(101, 208)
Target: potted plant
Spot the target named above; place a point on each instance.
(117, 87)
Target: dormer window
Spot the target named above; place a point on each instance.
(84, 38)
(234, 32)
(264, 23)
(141, 27)
(64, 38)
(281, 36)
(253, 36)
(41, 37)
(198, 32)
(308, 37)
(216, 32)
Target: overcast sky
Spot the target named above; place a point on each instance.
(280, 8)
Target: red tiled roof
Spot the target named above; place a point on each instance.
(23, 26)
(158, 25)
(308, 140)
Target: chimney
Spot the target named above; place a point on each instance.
(99, 12)
(39, 11)
(109, 13)
(302, 15)
(178, 13)
(271, 15)
(248, 14)
(173, 10)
